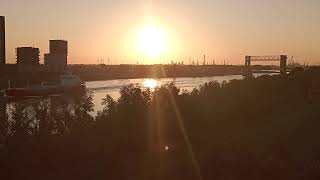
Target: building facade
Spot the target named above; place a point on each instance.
(27, 56)
(2, 41)
(58, 47)
(57, 59)
(55, 62)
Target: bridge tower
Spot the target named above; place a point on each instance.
(283, 64)
(280, 58)
(247, 68)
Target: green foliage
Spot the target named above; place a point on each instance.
(82, 108)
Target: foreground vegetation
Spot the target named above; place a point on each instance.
(261, 128)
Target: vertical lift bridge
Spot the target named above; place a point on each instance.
(281, 58)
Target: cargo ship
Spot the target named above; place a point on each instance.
(68, 84)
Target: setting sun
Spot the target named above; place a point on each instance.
(152, 42)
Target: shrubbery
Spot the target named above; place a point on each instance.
(261, 128)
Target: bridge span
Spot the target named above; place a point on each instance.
(279, 58)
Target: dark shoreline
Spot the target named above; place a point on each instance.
(144, 77)
(112, 72)
(175, 76)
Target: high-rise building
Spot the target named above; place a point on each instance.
(27, 56)
(2, 41)
(56, 59)
(55, 62)
(58, 47)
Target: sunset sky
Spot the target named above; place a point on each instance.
(221, 29)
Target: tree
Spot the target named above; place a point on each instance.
(4, 125)
(83, 106)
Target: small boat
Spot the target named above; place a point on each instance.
(69, 84)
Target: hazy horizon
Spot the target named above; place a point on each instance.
(220, 29)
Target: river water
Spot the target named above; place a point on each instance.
(112, 87)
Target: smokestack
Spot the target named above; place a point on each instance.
(2, 41)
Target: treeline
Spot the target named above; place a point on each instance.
(256, 128)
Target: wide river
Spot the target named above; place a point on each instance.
(112, 87)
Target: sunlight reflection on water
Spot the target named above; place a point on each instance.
(112, 87)
(151, 83)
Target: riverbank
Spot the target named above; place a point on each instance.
(111, 72)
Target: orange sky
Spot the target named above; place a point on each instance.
(221, 29)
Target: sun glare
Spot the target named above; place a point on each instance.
(150, 83)
(152, 42)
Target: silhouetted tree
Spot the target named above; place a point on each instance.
(4, 125)
(43, 120)
(256, 128)
(20, 123)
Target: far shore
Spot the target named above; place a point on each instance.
(152, 77)
(112, 72)
(89, 73)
